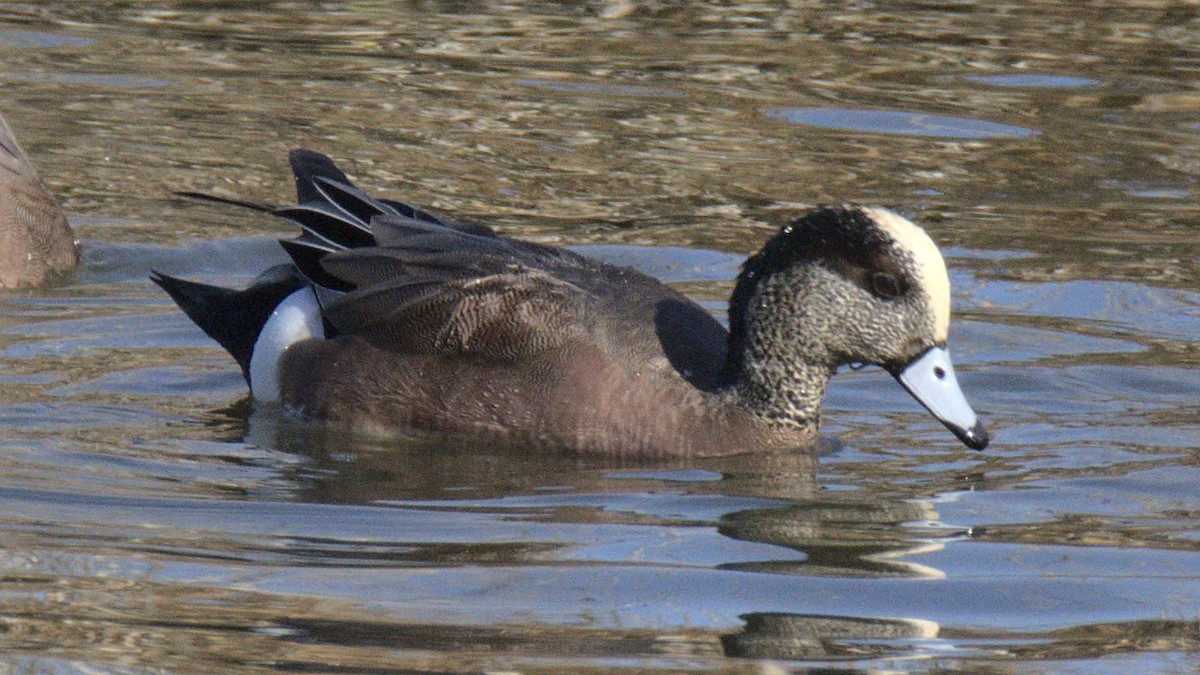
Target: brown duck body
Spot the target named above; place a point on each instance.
(542, 363)
(392, 318)
(35, 238)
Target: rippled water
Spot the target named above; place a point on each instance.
(150, 518)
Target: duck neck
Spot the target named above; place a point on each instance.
(766, 371)
(786, 393)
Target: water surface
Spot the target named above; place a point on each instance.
(151, 518)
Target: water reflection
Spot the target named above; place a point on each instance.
(1036, 80)
(601, 88)
(345, 465)
(852, 539)
(33, 38)
(99, 79)
(897, 122)
(794, 636)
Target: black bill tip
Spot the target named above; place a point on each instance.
(975, 438)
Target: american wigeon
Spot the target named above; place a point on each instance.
(35, 239)
(393, 317)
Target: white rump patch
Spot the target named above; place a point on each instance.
(297, 318)
(930, 267)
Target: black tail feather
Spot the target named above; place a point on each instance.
(234, 200)
(335, 216)
(322, 187)
(231, 317)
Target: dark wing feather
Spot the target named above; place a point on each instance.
(411, 247)
(359, 311)
(369, 266)
(397, 230)
(327, 226)
(357, 205)
(501, 317)
(410, 211)
(400, 276)
(411, 233)
(307, 165)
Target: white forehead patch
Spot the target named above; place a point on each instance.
(930, 268)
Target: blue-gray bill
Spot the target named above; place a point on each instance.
(930, 379)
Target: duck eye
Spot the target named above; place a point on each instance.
(885, 285)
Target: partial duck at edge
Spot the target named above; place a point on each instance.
(35, 239)
(392, 317)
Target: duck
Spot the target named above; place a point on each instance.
(36, 241)
(391, 318)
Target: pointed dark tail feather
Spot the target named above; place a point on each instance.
(307, 165)
(233, 200)
(323, 189)
(335, 216)
(231, 317)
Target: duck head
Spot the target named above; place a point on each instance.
(844, 285)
